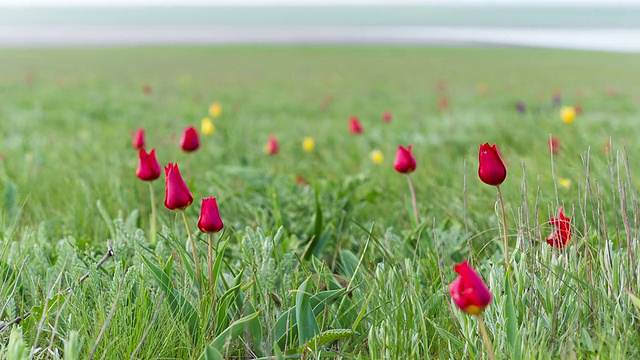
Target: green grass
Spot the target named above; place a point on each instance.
(335, 269)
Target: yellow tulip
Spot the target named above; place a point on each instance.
(215, 109)
(568, 114)
(564, 183)
(207, 126)
(376, 157)
(308, 144)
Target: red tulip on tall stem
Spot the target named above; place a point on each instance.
(149, 170)
(492, 171)
(190, 142)
(177, 196)
(405, 163)
(472, 296)
(209, 223)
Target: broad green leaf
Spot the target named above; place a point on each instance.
(635, 300)
(72, 346)
(231, 332)
(307, 323)
(179, 306)
(211, 353)
(287, 321)
(510, 314)
(327, 337)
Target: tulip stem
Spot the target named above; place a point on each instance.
(414, 201)
(152, 229)
(485, 336)
(211, 279)
(504, 231)
(194, 251)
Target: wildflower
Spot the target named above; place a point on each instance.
(138, 139)
(207, 127)
(308, 144)
(521, 107)
(404, 163)
(190, 140)
(561, 235)
(468, 291)
(386, 116)
(376, 156)
(491, 169)
(177, 195)
(148, 167)
(554, 145)
(272, 146)
(564, 183)
(354, 125)
(147, 89)
(215, 109)
(567, 114)
(209, 220)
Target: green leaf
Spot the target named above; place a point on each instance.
(510, 314)
(318, 240)
(232, 331)
(287, 321)
(211, 353)
(635, 300)
(72, 346)
(16, 349)
(307, 323)
(327, 337)
(178, 305)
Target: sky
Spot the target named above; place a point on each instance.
(303, 2)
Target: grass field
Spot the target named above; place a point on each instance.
(336, 268)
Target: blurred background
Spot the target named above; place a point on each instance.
(590, 25)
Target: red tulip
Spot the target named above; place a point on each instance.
(354, 125)
(190, 140)
(177, 195)
(386, 116)
(469, 292)
(491, 170)
(404, 163)
(561, 235)
(554, 145)
(138, 139)
(148, 167)
(272, 146)
(209, 221)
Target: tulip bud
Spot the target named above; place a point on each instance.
(177, 195)
(190, 140)
(468, 291)
(138, 139)
(272, 146)
(554, 145)
(354, 125)
(491, 169)
(209, 220)
(404, 163)
(148, 167)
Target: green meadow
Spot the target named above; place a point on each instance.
(333, 266)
